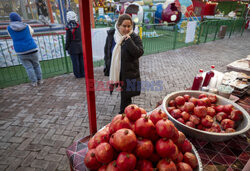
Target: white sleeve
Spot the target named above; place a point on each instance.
(31, 30)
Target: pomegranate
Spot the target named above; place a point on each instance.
(165, 147)
(176, 113)
(165, 128)
(179, 100)
(112, 166)
(166, 164)
(185, 116)
(144, 165)
(103, 168)
(111, 142)
(90, 160)
(212, 98)
(186, 97)
(190, 159)
(200, 111)
(91, 143)
(120, 121)
(216, 127)
(132, 125)
(126, 161)
(132, 112)
(181, 166)
(194, 119)
(181, 108)
(219, 108)
(169, 109)
(181, 120)
(201, 102)
(181, 138)
(188, 107)
(191, 124)
(220, 116)
(144, 127)
(229, 130)
(228, 108)
(156, 115)
(200, 127)
(179, 157)
(227, 123)
(176, 135)
(124, 140)
(202, 96)
(154, 136)
(174, 156)
(193, 100)
(186, 146)
(207, 121)
(211, 111)
(206, 101)
(143, 111)
(144, 148)
(236, 115)
(171, 103)
(101, 136)
(104, 153)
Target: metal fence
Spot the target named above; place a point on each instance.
(156, 38)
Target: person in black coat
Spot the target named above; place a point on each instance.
(74, 44)
(122, 51)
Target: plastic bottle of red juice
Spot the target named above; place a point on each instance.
(208, 77)
(197, 81)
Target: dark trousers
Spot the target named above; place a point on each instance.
(125, 101)
(78, 65)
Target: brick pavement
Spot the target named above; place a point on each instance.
(38, 124)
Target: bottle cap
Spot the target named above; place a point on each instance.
(212, 66)
(201, 70)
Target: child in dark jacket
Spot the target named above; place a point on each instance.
(74, 44)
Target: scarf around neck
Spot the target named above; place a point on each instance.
(115, 68)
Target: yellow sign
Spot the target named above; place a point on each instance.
(76, 1)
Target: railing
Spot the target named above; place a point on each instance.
(155, 37)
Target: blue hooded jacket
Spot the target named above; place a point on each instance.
(21, 36)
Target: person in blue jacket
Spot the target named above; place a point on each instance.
(25, 47)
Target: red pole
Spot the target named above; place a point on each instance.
(88, 61)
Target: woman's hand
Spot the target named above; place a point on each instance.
(127, 36)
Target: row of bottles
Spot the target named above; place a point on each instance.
(209, 81)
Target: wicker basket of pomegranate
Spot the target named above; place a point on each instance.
(206, 116)
(137, 141)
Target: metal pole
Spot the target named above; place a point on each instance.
(65, 56)
(88, 61)
(50, 11)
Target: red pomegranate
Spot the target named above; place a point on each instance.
(111, 142)
(101, 136)
(212, 98)
(124, 140)
(207, 121)
(181, 166)
(165, 128)
(211, 111)
(188, 107)
(179, 157)
(229, 130)
(104, 153)
(206, 101)
(228, 108)
(143, 111)
(220, 116)
(154, 136)
(186, 146)
(181, 120)
(112, 166)
(166, 165)
(165, 147)
(190, 159)
(169, 109)
(144, 148)
(202, 96)
(181, 138)
(156, 115)
(201, 102)
(176, 113)
(186, 97)
(171, 103)
(174, 156)
(179, 100)
(193, 100)
(144, 165)
(90, 160)
(91, 143)
(190, 124)
(144, 127)
(133, 112)
(219, 108)
(126, 161)
(154, 158)
(227, 123)
(200, 111)
(236, 115)
(185, 116)
(119, 122)
(194, 119)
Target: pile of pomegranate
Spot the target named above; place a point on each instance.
(203, 113)
(135, 141)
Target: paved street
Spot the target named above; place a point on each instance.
(38, 124)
